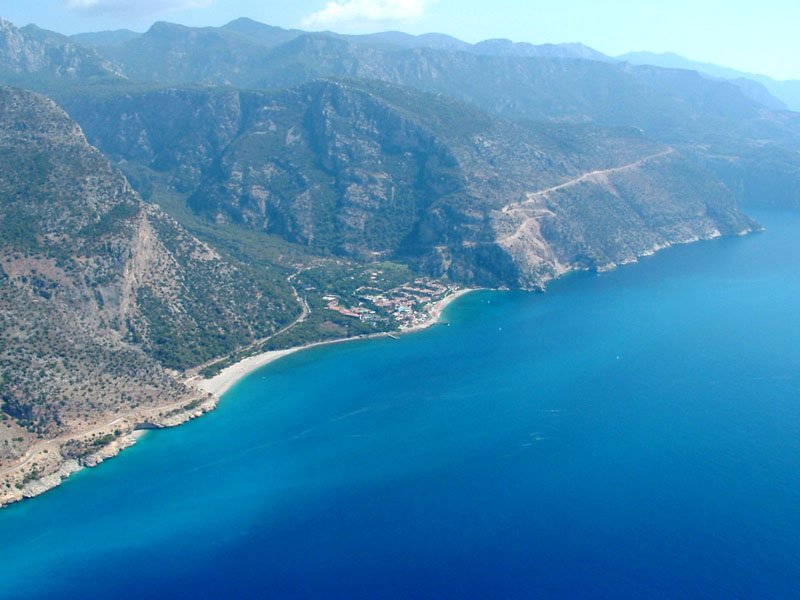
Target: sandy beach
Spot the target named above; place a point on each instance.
(170, 415)
(225, 379)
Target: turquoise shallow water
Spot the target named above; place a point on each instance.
(635, 434)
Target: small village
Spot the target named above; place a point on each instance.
(409, 305)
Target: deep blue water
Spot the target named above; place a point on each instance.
(630, 435)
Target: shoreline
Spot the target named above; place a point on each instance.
(47, 455)
(231, 375)
(206, 398)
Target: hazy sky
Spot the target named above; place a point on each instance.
(761, 37)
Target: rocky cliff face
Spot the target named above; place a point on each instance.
(367, 169)
(101, 295)
(727, 126)
(33, 51)
(721, 124)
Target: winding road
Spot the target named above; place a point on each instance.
(536, 198)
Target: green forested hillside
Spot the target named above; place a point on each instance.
(102, 293)
(367, 169)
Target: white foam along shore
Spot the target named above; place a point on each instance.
(225, 379)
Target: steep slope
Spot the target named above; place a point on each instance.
(726, 125)
(670, 104)
(367, 169)
(35, 52)
(101, 295)
(564, 81)
(177, 54)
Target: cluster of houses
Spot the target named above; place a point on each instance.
(408, 305)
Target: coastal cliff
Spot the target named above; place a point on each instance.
(364, 169)
(103, 300)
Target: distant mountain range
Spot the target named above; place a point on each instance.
(772, 93)
(711, 119)
(270, 36)
(787, 92)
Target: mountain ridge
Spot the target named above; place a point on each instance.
(342, 165)
(772, 93)
(724, 125)
(102, 298)
(36, 51)
(786, 91)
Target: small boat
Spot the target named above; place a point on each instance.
(393, 336)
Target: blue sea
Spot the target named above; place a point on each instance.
(634, 434)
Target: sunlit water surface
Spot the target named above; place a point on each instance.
(634, 434)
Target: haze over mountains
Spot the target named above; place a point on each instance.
(772, 93)
(786, 92)
(234, 158)
(705, 117)
(361, 169)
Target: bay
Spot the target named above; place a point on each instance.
(633, 434)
